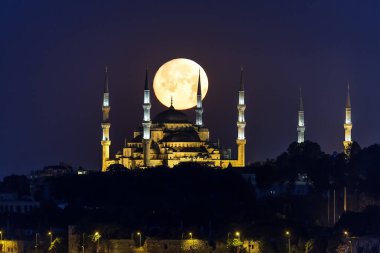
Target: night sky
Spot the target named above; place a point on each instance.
(53, 53)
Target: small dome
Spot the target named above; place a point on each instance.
(171, 115)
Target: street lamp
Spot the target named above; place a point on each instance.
(139, 234)
(191, 236)
(97, 238)
(51, 237)
(238, 235)
(287, 233)
(36, 246)
(346, 234)
(1, 235)
(82, 242)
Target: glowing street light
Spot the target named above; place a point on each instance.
(237, 233)
(287, 233)
(191, 236)
(346, 234)
(51, 237)
(139, 234)
(96, 238)
(1, 235)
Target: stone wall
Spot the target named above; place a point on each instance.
(152, 245)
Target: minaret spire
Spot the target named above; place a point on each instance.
(146, 122)
(106, 125)
(348, 98)
(199, 107)
(347, 124)
(301, 121)
(241, 141)
(241, 79)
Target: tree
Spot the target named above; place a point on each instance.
(54, 244)
(309, 245)
(116, 169)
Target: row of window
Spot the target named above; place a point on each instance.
(7, 208)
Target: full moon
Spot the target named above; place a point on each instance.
(178, 79)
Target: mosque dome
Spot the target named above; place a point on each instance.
(171, 115)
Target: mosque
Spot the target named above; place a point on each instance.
(170, 138)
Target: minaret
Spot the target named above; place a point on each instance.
(146, 122)
(301, 122)
(241, 141)
(199, 108)
(347, 124)
(106, 142)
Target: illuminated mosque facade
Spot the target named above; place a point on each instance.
(170, 138)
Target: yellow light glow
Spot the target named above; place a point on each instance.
(237, 234)
(178, 78)
(287, 233)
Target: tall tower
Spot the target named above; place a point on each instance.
(301, 122)
(347, 124)
(106, 142)
(199, 108)
(146, 122)
(241, 141)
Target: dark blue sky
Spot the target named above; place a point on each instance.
(53, 53)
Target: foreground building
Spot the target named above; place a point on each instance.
(170, 138)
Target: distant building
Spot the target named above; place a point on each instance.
(14, 246)
(170, 138)
(11, 203)
(53, 171)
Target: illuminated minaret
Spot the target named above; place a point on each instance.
(146, 122)
(241, 141)
(301, 122)
(199, 108)
(347, 124)
(106, 142)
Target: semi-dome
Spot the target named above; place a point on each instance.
(171, 115)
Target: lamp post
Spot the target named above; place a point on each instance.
(139, 234)
(346, 234)
(191, 236)
(97, 238)
(82, 242)
(36, 246)
(51, 237)
(1, 239)
(287, 233)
